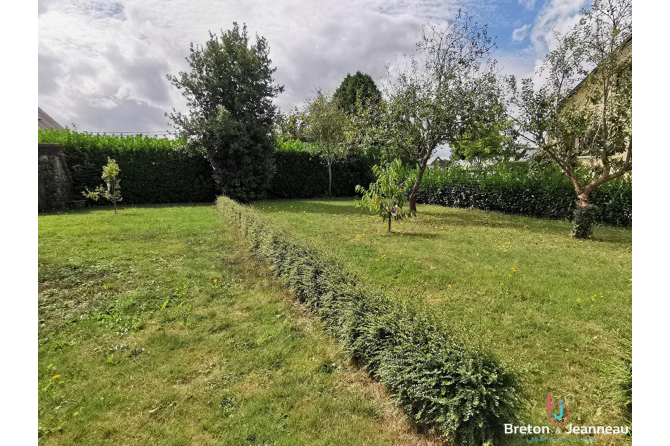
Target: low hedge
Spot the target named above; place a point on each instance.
(455, 390)
(152, 170)
(545, 193)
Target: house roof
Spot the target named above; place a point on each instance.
(574, 91)
(44, 121)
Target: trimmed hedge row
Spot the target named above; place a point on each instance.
(163, 171)
(301, 174)
(459, 392)
(545, 194)
(152, 170)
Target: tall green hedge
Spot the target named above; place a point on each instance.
(300, 174)
(163, 171)
(152, 170)
(454, 389)
(544, 193)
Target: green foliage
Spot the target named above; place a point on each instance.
(491, 140)
(229, 92)
(327, 128)
(112, 189)
(585, 106)
(387, 196)
(359, 88)
(583, 220)
(302, 173)
(291, 125)
(435, 97)
(454, 389)
(165, 171)
(519, 189)
(154, 170)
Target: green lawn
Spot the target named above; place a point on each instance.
(556, 309)
(155, 327)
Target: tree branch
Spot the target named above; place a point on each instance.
(627, 167)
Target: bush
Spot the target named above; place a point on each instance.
(153, 170)
(582, 221)
(543, 193)
(455, 390)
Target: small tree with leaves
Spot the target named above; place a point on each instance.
(584, 109)
(112, 190)
(436, 97)
(387, 196)
(327, 126)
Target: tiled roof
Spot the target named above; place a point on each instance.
(44, 121)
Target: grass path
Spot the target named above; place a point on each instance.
(556, 309)
(155, 327)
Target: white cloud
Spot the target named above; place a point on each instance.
(102, 64)
(557, 16)
(528, 4)
(520, 33)
(98, 55)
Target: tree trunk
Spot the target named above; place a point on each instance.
(115, 207)
(583, 198)
(415, 190)
(389, 222)
(584, 216)
(330, 179)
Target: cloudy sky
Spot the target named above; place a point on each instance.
(102, 63)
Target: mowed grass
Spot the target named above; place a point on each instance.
(555, 309)
(155, 327)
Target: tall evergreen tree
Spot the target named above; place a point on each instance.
(359, 86)
(229, 92)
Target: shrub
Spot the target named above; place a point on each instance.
(154, 170)
(112, 189)
(387, 196)
(165, 171)
(455, 390)
(543, 193)
(584, 217)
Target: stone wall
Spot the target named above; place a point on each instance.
(54, 180)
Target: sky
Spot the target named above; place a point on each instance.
(102, 64)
